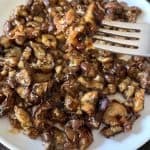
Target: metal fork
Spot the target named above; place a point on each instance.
(136, 40)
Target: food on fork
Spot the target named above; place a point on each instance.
(54, 85)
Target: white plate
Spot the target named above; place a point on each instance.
(125, 141)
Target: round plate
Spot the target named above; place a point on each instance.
(124, 141)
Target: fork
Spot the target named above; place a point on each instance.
(134, 41)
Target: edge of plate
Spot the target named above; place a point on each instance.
(8, 144)
(13, 147)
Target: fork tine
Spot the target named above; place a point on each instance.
(120, 33)
(117, 49)
(124, 25)
(118, 41)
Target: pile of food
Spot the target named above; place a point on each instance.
(55, 85)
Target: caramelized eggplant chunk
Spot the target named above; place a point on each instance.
(78, 134)
(23, 117)
(23, 77)
(138, 100)
(41, 115)
(96, 120)
(128, 87)
(114, 110)
(117, 118)
(88, 102)
(7, 99)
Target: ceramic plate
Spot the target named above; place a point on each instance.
(125, 141)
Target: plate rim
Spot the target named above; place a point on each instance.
(11, 146)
